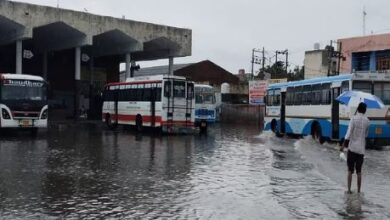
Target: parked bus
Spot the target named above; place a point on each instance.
(162, 101)
(23, 101)
(308, 107)
(205, 105)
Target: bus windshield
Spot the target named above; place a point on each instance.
(23, 92)
(204, 99)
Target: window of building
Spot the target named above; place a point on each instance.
(362, 86)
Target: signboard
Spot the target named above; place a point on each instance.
(22, 83)
(28, 54)
(257, 92)
(274, 81)
(85, 57)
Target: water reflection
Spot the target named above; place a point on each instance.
(233, 172)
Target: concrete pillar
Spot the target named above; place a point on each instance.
(170, 68)
(19, 56)
(128, 65)
(44, 65)
(77, 63)
(77, 77)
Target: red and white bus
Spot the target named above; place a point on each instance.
(162, 101)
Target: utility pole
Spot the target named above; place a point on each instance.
(254, 60)
(339, 56)
(330, 56)
(334, 54)
(284, 52)
(263, 60)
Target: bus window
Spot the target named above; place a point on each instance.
(362, 86)
(290, 96)
(139, 92)
(179, 89)
(147, 96)
(307, 96)
(276, 99)
(316, 94)
(382, 90)
(298, 95)
(270, 95)
(326, 94)
(344, 86)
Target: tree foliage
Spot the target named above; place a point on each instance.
(278, 71)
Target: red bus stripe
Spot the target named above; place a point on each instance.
(133, 83)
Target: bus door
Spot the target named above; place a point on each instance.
(153, 97)
(335, 110)
(283, 111)
(168, 94)
(179, 100)
(116, 99)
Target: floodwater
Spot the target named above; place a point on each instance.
(235, 172)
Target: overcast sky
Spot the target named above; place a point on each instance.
(225, 31)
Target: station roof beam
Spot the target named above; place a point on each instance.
(10, 31)
(158, 48)
(113, 43)
(58, 36)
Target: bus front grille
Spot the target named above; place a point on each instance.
(25, 114)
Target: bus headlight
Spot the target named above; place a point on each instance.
(5, 114)
(44, 114)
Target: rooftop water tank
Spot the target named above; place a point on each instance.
(225, 88)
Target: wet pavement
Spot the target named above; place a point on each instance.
(235, 172)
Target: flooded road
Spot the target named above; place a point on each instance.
(232, 173)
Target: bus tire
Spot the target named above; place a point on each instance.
(316, 133)
(138, 123)
(110, 124)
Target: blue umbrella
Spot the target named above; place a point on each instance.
(353, 98)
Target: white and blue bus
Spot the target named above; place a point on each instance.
(308, 107)
(23, 102)
(205, 105)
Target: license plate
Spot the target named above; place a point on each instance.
(378, 131)
(25, 123)
(203, 124)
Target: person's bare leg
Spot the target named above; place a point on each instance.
(359, 181)
(349, 181)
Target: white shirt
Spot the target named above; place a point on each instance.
(357, 133)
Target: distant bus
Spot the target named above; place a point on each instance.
(162, 101)
(308, 107)
(23, 101)
(205, 105)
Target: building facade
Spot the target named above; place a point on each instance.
(318, 64)
(366, 54)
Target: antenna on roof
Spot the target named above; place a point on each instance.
(58, 3)
(364, 20)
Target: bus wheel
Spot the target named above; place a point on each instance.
(317, 133)
(110, 124)
(138, 123)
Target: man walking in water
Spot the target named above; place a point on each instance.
(355, 141)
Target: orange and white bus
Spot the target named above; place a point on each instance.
(162, 101)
